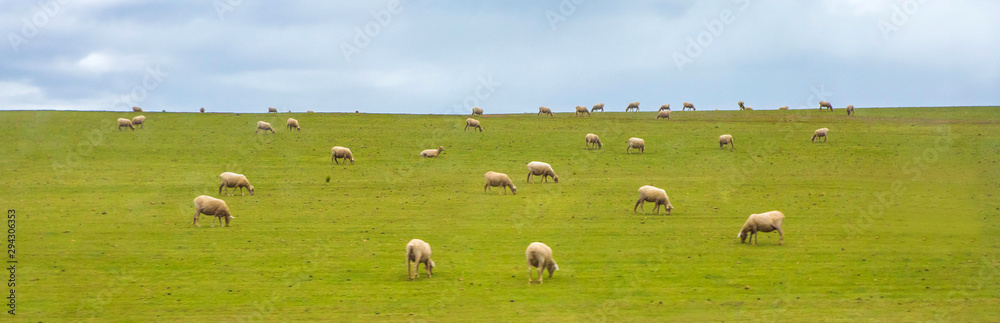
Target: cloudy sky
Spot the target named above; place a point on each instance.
(423, 56)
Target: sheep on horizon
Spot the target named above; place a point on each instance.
(202, 110)
(632, 106)
(581, 110)
(741, 105)
(665, 107)
(477, 111)
(272, 110)
(136, 109)
(539, 256)
(850, 109)
(545, 110)
(597, 107)
(763, 222)
(688, 105)
(824, 104)
(783, 108)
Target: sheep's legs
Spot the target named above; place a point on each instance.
(529, 272)
(639, 203)
(781, 240)
(541, 270)
(196, 213)
(529, 178)
(485, 187)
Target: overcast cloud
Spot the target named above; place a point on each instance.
(421, 56)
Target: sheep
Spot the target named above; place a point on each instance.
(545, 111)
(632, 106)
(477, 110)
(310, 111)
(824, 104)
(741, 105)
(208, 205)
(783, 108)
(272, 110)
(544, 170)
(293, 124)
(749, 109)
(650, 193)
(202, 110)
(665, 107)
(726, 139)
(850, 109)
(593, 139)
(139, 121)
(341, 152)
(637, 144)
(821, 132)
(540, 256)
(233, 181)
(432, 152)
(261, 125)
(136, 109)
(494, 179)
(122, 122)
(597, 107)
(470, 122)
(688, 105)
(763, 222)
(581, 110)
(419, 252)
(663, 114)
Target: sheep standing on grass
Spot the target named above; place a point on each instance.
(233, 181)
(139, 121)
(261, 125)
(632, 106)
(339, 152)
(419, 252)
(136, 109)
(665, 107)
(726, 140)
(741, 105)
(593, 139)
(764, 222)
(783, 108)
(122, 122)
(208, 205)
(581, 110)
(653, 194)
(749, 109)
(477, 110)
(820, 133)
(663, 114)
(272, 110)
(824, 104)
(494, 179)
(597, 107)
(545, 110)
(470, 122)
(688, 105)
(850, 109)
(540, 256)
(636, 143)
(293, 124)
(432, 152)
(544, 170)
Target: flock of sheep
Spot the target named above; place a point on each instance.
(538, 255)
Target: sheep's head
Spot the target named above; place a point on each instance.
(250, 188)
(513, 189)
(743, 236)
(599, 145)
(552, 267)
(430, 265)
(555, 178)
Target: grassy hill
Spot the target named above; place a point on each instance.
(894, 218)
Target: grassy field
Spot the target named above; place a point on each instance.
(895, 218)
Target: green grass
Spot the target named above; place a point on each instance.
(895, 218)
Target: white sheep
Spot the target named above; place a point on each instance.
(593, 139)
(470, 122)
(581, 110)
(292, 124)
(432, 152)
(665, 107)
(545, 110)
(494, 179)
(139, 121)
(650, 193)
(419, 252)
(233, 181)
(208, 205)
(632, 106)
(636, 143)
(597, 107)
(850, 109)
(272, 110)
(763, 222)
(339, 152)
(261, 125)
(741, 105)
(821, 132)
(136, 109)
(824, 104)
(663, 114)
(726, 140)
(688, 105)
(537, 168)
(477, 110)
(783, 108)
(540, 256)
(122, 122)
(749, 109)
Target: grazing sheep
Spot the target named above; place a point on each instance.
(688, 105)
(208, 205)
(136, 109)
(850, 109)
(545, 111)
(665, 107)
(470, 122)
(824, 104)
(139, 121)
(749, 108)
(233, 181)
(581, 110)
(432, 152)
(309, 111)
(632, 106)
(544, 170)
(122, 122)
(272, 110)
(821, 132)
(726, 139)
(339, 152)
(741, 105)
(261, 125)
(419, 252)
(650, 193)
(637, 144)
(763, 222)
(663, 114)
(783, 108)
(202, 110)
(597, 107)
(477, 110)
(494, 179)
(540, 256)
(293, 124)
(593, 139)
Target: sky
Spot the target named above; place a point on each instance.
(445, 57)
